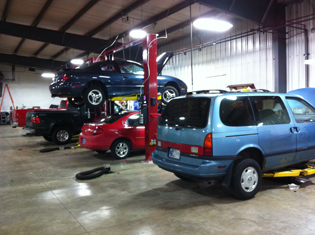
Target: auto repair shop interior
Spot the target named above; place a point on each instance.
(157, 117)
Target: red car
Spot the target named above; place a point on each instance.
(120, 133)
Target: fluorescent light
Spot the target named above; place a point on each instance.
(48, 75)
(77, 61)
(137, 33)
(212, 24)
(311, 61)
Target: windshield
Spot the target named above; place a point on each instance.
(114, 118)
(188, 112)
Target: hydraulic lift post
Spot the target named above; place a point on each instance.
(149, 47)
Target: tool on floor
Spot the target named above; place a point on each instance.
(94, 173)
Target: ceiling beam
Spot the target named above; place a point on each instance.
(54, 37)
(114, 18)
(47, 64)
(262, 12)
(6, 10)
(150, 21)
(35, 23)
(70, 23)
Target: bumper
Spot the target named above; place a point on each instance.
(93, 142)
(66, 89)
(196, 168)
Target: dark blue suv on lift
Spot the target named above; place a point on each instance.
(234, 137)
(94, 83)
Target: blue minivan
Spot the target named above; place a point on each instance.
(235, 136)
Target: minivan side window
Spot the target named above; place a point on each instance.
(302, 111)
(236, 111)
(269, 110)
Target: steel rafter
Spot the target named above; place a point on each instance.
(5, 11)
(35, 23)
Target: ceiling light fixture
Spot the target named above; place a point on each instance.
(48, 75)
(137, 33)
(212, 24)
(77, 61)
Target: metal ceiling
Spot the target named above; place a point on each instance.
(45, 34)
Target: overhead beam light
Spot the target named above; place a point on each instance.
(212, 25)
(77, 61)
(137, 33)
(48, 75)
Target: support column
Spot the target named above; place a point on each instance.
(149, 47)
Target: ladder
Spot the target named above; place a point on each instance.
(3, 116)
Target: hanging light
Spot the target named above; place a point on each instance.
(212, 24)
(137, 33)
(77, 61)
(48, 75)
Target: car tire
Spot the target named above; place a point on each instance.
(61, 135)
(94, 97)
(168, 94)
(120, 149)
(76, 101)
(246, 179)
(48, 138)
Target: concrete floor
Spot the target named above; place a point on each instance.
(40, 195)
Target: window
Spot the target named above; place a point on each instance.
(131, 68)
(188, 112)
(114, 118)
(302, 111)
(133, 120)
(269, 110)
(236, 111)
(108, 67)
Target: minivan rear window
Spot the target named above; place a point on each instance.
(189, 112)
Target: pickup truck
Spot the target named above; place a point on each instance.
(58, 126)
(18, 115)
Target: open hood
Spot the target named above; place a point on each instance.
(306, 93)
(162, 59)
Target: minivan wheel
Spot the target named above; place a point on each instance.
(94, 97)
(168, 94)
(61, 135)
(120, 149)
(76, 101)
(247, 179)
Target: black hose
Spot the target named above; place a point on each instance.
(87, 175)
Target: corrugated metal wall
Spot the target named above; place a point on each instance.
(247, 59)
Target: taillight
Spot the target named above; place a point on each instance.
(207, 145)
(35, 120)
(64, 78)
(98, 131)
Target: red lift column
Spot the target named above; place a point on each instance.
(149, 48)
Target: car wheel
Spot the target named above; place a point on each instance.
(120, 149)
(168, 94)
(94, 97)
(76, 101)
(61, 135)
(247, 179)
(48, 138)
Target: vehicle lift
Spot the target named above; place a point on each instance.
(148, 101)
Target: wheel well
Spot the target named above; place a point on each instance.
(96, 83)
(64, 125)
(122, 138)
(173, 84)
(252, 153)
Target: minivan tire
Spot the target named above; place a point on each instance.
(61, 135)
(246, 179)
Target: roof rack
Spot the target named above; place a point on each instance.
(211, 91)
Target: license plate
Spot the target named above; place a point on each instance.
(83, 141)
(174, 153)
